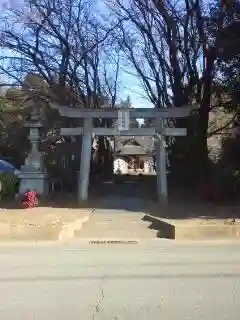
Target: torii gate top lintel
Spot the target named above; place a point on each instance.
(112, 113)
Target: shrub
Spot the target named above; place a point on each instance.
(9, 183)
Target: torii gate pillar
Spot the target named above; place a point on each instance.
(85, 160)
(161, 162)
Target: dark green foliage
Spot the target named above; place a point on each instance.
(9, 184)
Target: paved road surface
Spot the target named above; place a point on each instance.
(159, 280)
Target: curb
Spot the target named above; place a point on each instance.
(68, 230)
(34, 232)
(171, 229)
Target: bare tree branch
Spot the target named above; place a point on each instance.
(65, 43)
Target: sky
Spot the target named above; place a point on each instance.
(129, 85)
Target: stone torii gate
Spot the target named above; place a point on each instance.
(123, 116)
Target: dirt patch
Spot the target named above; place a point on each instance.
(199, 212)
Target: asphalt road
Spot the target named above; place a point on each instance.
(160, 280)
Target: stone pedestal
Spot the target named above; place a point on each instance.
(34, 181)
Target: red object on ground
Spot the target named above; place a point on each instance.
(30, 199)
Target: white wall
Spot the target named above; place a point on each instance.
(121, 165)
(148, 166)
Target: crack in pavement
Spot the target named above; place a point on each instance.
(97, 306)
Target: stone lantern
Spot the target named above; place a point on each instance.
(33, 175)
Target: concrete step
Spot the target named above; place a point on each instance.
(103, 224)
